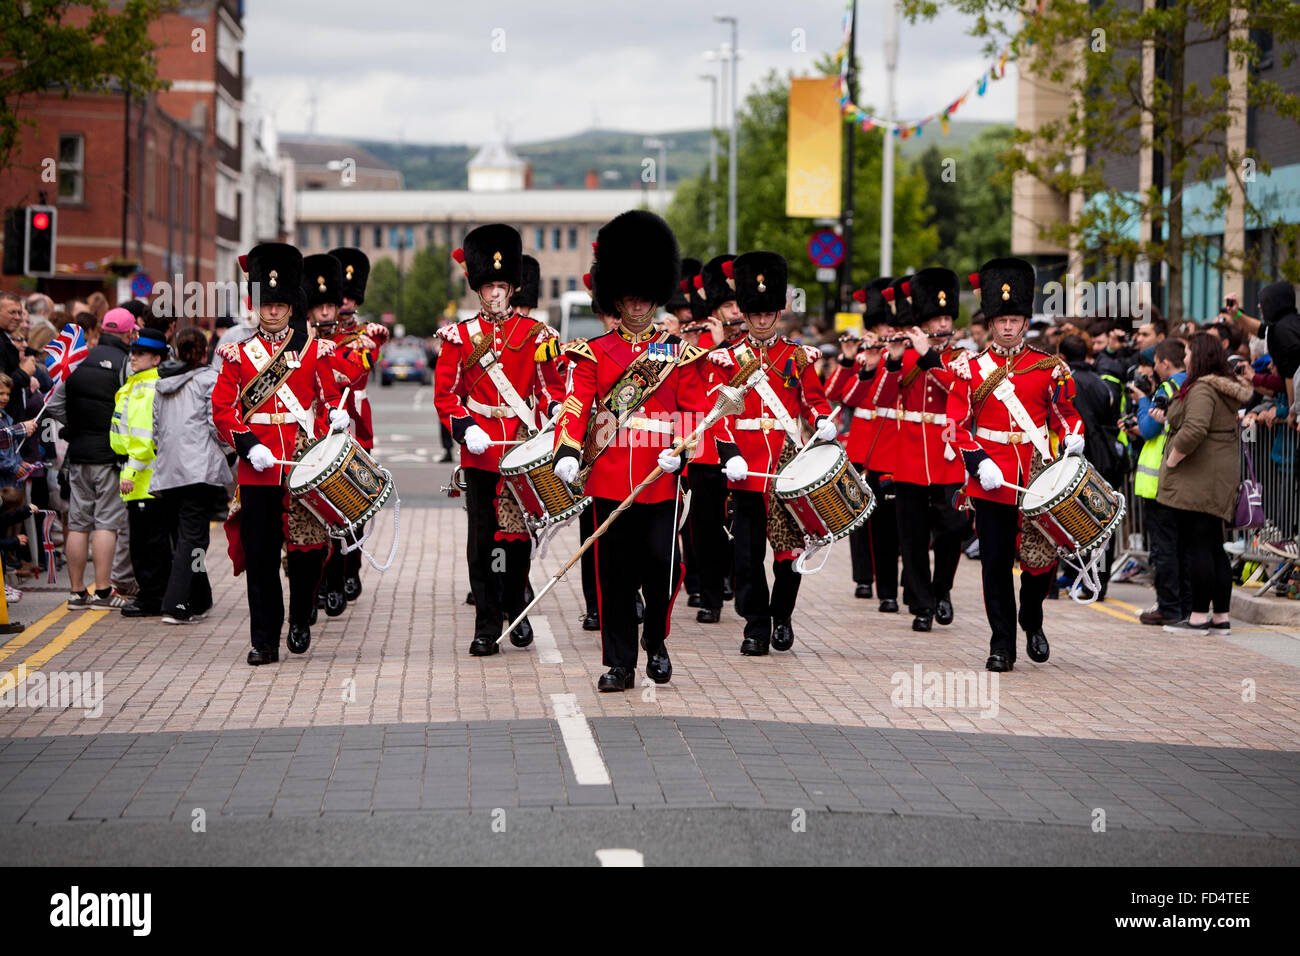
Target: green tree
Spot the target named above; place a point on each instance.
(381, 288)
(92, 45)
(971, 201)
(424, 291)
(1094, 52)
(761, 222)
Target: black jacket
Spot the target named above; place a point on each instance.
(91, 390)
(9, 359)
(1095, 402)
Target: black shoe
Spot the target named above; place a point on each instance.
(136, 609)
(999, 662)
(862, 591)
(484, 647)
(888, 606)
(311, 621)
(943, 613)
(299, 638)
(616, 678)
(640, 608)
(708, 615)
(446, 457)
(469, 599)
(782, 636)
(352, 588)
(1036, 646)
(263, 655)
(591, 621)
(658, 667)
(753, 647)
(923, 621)
(335, 603)
(695, 600)
(522, 635)
(728, 593)
(320, 597)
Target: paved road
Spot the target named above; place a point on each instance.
(866, 743)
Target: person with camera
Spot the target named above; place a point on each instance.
(1152, 395)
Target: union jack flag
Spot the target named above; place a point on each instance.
(65, 352)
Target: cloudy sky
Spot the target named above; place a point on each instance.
(427, 71)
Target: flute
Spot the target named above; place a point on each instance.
(704, 328)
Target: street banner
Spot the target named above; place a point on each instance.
(814, 149)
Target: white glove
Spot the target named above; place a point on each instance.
(260, 457)
(737, 468)
(1074, 444)
(826, 430)
(669, 461)
(566, 469)
(476, 440)
(990, 475)
(339, 420)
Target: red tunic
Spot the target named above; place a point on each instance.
(1043, 385)
(460, 390)
(312, 384)
(920, 388)
(356, 352)
(792, 373)
(634, 451)
(873, 438)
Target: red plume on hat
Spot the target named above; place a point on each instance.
(907, 290)
(685, 286)
(974, 279)
(459, 255)
(593, 250)
(586, 280)
(887, 294)
(243, 262)
(860, 296)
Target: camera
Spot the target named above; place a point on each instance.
(1144, 383)
(1160, 400)
(1128, 421)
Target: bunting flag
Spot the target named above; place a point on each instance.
(905, 128)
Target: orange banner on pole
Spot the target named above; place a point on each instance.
(814, 150)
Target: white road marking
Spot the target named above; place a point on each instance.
(620, 858)
(588, 765)
(418, 401)
(547, 652)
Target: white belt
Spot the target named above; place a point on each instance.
(650, 425)
(756, 424)
(493, 411)
(867, 413)
(887, 412)
(270, 418)
(928, 418)
(1007, 438)
(358, 396)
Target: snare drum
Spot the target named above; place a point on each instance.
(824, 494)
(339, 483)
(543, 498)
(1073, 506)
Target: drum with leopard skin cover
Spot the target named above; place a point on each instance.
(338, 482)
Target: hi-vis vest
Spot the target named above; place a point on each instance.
(1123, 410)
(131, 433)
(1153, 450)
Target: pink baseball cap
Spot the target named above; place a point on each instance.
(118, 320)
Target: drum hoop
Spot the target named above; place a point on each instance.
(1065, 493)
(828, 478)
(334, 465)
(560, 516)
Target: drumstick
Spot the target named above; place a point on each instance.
(760, 474)
(1007, 484)
(519, 442)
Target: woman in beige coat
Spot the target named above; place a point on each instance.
(1200, 477)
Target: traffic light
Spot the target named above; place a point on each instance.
(41, 233)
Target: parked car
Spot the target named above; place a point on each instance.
(405, 363)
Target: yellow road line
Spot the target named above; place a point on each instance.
(1124, 604)
(80, 626)
(33, 631)
(1123, 616)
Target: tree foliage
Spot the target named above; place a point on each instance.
(971, 201)
(90, 45)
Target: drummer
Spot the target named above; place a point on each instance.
(761, 439)
(264, 405)
(487, 376)
(1003, 407)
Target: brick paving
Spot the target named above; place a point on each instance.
(398, 656)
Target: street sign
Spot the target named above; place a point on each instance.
(826, 275)
(141, 285)
(826, 249)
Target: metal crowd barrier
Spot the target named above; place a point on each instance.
(1273, 451)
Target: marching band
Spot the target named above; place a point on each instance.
(938, 443)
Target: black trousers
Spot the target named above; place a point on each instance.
(1170, 560)
(883, 527)
(498, 570)
(261, 528)
(922, 511)
(998, 526)
(586, 525)
(640, 548)
(860, 553)
(150, 545)
(707, 528)
(189, 510)
(753, 601)
(1200, 539)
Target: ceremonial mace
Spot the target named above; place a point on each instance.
(730, 401)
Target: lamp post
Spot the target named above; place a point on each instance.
(887, 165)
(731, 144)
(713, 148)
(661, 171)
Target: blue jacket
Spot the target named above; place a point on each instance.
(1147, 425)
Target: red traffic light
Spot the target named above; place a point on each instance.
(41, 220)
